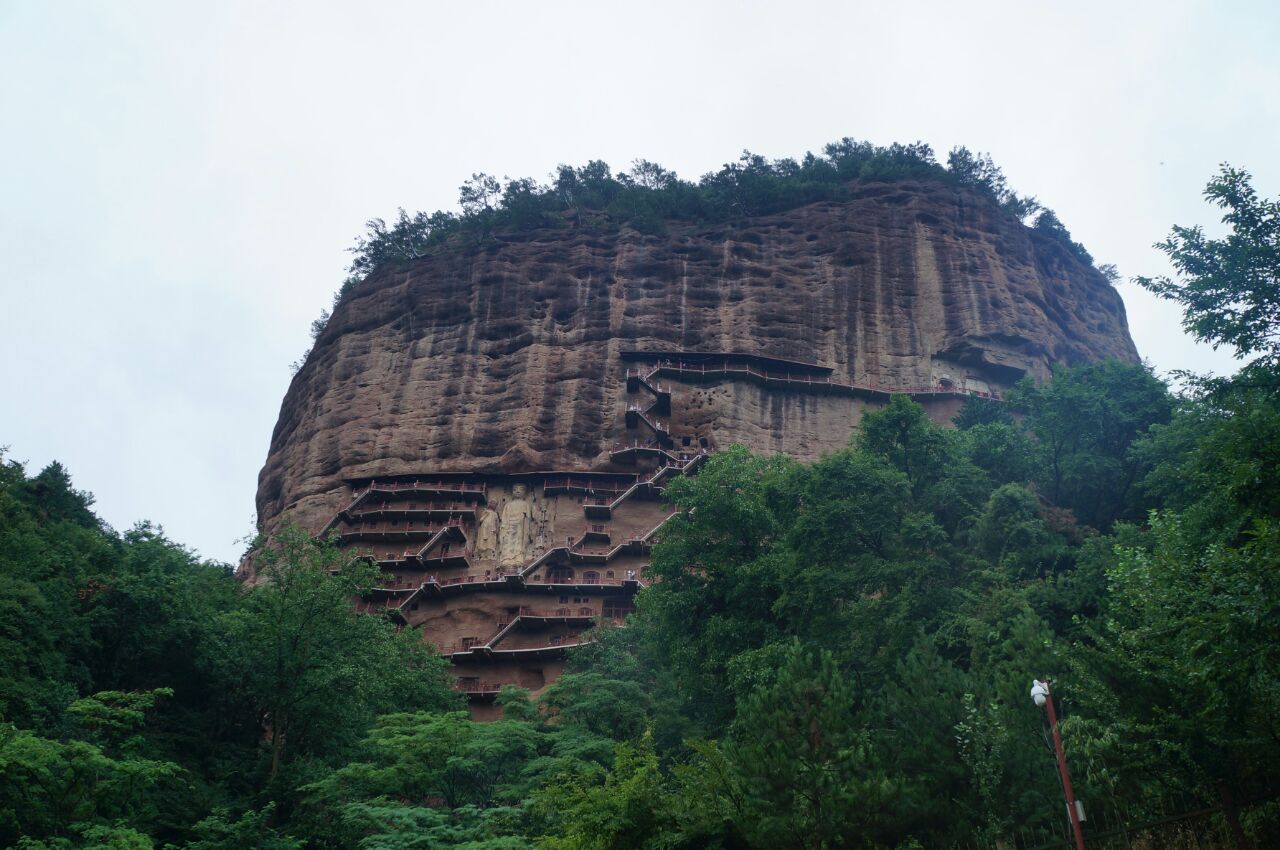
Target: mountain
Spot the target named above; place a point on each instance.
(494, 421)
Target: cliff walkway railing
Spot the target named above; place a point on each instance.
(575, 550)
(637, 378)
(437, 551)
(812, 383)
(686, 461)
(480, 688)
(448, 510)
(412, 511)
(445, 488)
(661, 403)
(588, 486)
(501, 580)
(602, 507)
(395, 593)
(581, 615)
(481, 651)
(637, 415)
(390, 528)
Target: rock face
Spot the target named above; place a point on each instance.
(495, 363)
(507, 359)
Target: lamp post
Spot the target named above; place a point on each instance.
(1042, 697)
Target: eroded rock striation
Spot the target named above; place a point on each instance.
(617, 355)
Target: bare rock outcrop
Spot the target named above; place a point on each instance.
(510, 357)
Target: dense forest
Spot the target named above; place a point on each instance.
(833, 655)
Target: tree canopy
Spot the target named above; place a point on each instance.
(833, 655)
(1229, 287)
(646, 196)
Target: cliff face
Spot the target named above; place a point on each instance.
(509, 358)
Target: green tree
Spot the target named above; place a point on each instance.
(628, 808)
(1012, 535)
(91, 837)
(309, 669)
(422, 755)
(796, 766)
(430, 780)
(605, 706)
(1229, 288)
(1188, 654)
(55, 789)
(903, 434)
(479, 195)
(1087, 421)
(717, 577)
(979, 171)
(1002, 450)
(912, 723)
(220, 831)
(53, 552)
(1218, 461)
(982, 411)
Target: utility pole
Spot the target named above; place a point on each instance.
(1041, 696)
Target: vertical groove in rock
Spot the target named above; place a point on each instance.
(507, 358)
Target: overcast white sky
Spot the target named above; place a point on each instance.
(178, 181)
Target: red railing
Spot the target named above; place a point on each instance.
(647, 379)
(467, 644)
(463, 580)
(567, 482)
(554, 612)
(385, 527)
(480, 687)
(681, 458)
(553, 579)
(727, 367)
(456, 486)
(430, 508)
(445, 554)
(400, 584)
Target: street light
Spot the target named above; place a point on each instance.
(1043, 698)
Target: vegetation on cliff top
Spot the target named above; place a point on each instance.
(837, 654)
(647, 195)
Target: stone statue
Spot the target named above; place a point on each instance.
(513, 533)
(487, 535)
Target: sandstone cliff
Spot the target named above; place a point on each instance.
(507, 358)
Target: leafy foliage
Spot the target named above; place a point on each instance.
(297, 642)
(138, 680)
(769, 690)
(834, 654)
(648, 195)
(797, 765)
(1087, 422)
(1230, 287)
